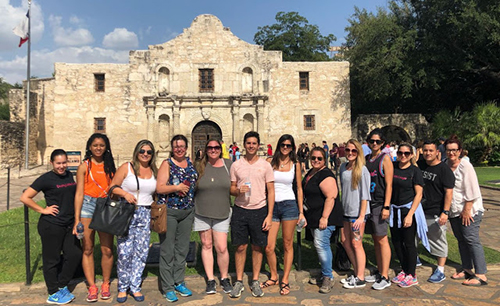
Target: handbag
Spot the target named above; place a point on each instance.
(158, 218)
(341, 260)
(112, 216)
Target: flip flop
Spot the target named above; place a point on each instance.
(466, 275)
(268, 283)
(284, 288)
(481, 282)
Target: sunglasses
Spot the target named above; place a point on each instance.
(149, 152)
(353, 151)
(285, 145)
(179, 147)
(216, 148)
(319, 158)
(377, 141)
(454, 151)
(406, 154)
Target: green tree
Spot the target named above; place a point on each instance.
(482, 129)
(295, 37)
(4, 112)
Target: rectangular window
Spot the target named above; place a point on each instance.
(265, 84)
(304, 80)
(100, 125)
(99, 82)
(309, 122)
(206, 80)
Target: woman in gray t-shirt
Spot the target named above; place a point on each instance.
(213, 212)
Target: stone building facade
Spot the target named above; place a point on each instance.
(204, 83)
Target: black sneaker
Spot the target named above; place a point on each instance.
(211, 287)
(355, 283)
(226, 285)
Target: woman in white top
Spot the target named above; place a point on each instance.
(138, 184)
(466, 213)
(288, 209)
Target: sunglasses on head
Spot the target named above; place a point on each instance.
(377, 141)
(285, 145)
(353, 151)
(406, 154)
(149, 152)
(217, 148)
(319, 158)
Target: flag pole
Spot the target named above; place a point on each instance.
(27, 144)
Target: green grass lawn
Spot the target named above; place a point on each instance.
(12, 265)
(485, 174)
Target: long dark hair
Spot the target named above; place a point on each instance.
(275, 162)
(109, 161)
(135, 159)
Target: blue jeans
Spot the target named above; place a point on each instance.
(322, 245)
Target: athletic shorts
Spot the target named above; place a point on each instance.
(201, 224)
(285, 211)
(437, 236)
(248, 223)
(374, 224)
(88, 207)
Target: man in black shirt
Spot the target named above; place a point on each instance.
(438, 192)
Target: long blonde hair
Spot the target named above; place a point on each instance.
(357, 168)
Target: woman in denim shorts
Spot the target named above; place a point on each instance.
(93, 178)
(288, 209)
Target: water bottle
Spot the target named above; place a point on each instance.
(301, 224)
(357, 235)
(175, 180)
(249, 192)
(79, 230)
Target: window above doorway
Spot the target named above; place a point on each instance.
(206, 80)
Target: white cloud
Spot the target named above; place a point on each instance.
(69, 36)
(76, 21)
(11, 16)
(42, 62)
(120, 39)
(145, 32)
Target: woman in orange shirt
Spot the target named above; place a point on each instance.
(93, 178)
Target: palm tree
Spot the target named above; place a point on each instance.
(483, 129)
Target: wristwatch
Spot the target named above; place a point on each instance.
(386, 207)
(446, 212)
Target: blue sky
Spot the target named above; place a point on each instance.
(103, 31)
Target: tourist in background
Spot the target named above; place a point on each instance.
(288, 209)
(175, 186)
(55, 227)
(93, 179)
(466, 214)
(407, 217)
(355, 180)
(324, 212)
(137, 180)
(212, 204)
(381, 170)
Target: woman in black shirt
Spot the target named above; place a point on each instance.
(56, 226)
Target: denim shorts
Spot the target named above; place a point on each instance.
(285, 211)
(88, 207)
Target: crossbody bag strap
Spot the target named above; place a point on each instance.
(224, 162)
(92, 177)
(137, 180)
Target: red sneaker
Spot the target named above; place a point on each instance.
(105, 294)
(92, 295)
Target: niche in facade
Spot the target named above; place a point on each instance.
(247, 80)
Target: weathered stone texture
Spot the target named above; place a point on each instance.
(157, 95)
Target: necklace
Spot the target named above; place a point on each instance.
(282, 165)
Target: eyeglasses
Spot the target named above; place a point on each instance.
(377, 141)
(180, 148)
(319, 158)
(454, 151)
(406, 154)
(149, 152)
(216, 148)
(285, 145)
(353, 151)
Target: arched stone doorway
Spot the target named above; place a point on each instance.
(202, 132)
(395, 133)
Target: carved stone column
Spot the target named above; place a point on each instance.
(260, 119)
(236, 121)
(150, 113)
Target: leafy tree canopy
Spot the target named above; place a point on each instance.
(295, 37)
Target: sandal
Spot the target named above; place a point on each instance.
(269, 283)
(462, 275)
(480, 282)
(284, 288)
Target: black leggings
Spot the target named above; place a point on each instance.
(57, 239)
(403, 240)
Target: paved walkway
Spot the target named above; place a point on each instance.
(449, 292)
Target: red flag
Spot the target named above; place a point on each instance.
(22, 29)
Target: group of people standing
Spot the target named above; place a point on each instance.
(376, 192)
